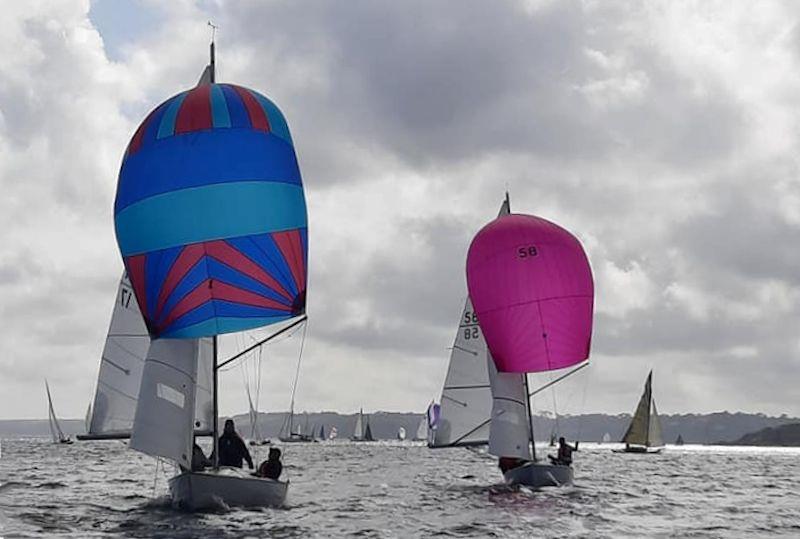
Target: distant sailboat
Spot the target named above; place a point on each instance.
(55, 429)
(333, 433)
(362, 431)
(401, 434)
(679, 440)
(321, 432)
(644, 432)
(292, 432)
(422, 430)
(606, 438)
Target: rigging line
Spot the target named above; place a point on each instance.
(265, 340)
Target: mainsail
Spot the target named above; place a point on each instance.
(645, 427)
(55, 428)
(358, 430)
(422, 429)
(120, 375)
(466, 401)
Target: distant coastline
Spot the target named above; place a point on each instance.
(720, 427)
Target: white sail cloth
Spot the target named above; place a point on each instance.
(55, 428)
(163, 424)
(645, 427)
(509, 430)
(466, 402)
(121, 366)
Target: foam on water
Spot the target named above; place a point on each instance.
(102, 489)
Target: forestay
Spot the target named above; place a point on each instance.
(162, 426)
(466, 403)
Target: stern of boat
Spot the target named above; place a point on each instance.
(229, 486)
(539, 475)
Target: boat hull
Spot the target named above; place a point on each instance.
(539, 475)
(639, 450)
(203, 490)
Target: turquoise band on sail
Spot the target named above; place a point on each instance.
(222, 325)
(215, 211)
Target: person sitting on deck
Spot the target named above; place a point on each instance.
(565, 450)
(232, 449)
(509, 463)
(199, 460)
(272, 467)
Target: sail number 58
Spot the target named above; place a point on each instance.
(527, 251)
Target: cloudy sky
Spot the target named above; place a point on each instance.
(664, 135)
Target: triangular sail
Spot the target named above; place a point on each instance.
(638, 430)
(509, 430)
(422, 429)
(466, 402)
(654, 438)
(368, 433)
(358, 430)
(55, 428)
(163, 424)
(120, 376)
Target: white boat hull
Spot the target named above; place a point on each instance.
(538, 475)
(231, 486)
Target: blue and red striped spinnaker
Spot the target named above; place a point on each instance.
(210, 214)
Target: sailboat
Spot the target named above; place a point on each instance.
(422, 430)
(362, 431)
(291, 431)
(679, 440)
(503, 334)
(255, 433)
(644, 432)
(321, 436)
(111, 415)
(401, 434)
(211, 222)
(55, 429)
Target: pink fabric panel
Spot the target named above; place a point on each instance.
(532, 289)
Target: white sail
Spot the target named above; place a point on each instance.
(509, 431)
(55, 428)
(358, 430)
(163, 424)
(87, 420)
(401, 433)
(654, 437)
(422, 429)
(466, 403)
(120, 367)
(252, 415)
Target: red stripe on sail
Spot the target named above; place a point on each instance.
(258, 119)
(226, 292)
(286, 243)
(135, 267)
(222, 251)
(190, 255)
(138, 137)
(195, 111)
(198, 296)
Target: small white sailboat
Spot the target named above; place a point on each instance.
(644, 432)
(55, 429)
(401, 434)
(421, 434)
(606, 438)
(362, 431)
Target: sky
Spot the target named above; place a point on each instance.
(663, 134)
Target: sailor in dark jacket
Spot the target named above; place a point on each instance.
(232, 449)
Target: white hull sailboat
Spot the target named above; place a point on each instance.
(644, 432)
(480, 406)
(362, 432)
(195, 491)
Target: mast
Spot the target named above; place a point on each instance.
(528, 409)
(212, 65)
(214, 392)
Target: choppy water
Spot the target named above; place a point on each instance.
(102, 489)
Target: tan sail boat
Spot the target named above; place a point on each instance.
(644, 432)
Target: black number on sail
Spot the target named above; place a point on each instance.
(125, 297)
(471, 333)
(527, 251)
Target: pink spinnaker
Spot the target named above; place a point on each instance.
(532, 289)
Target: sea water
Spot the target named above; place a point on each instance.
(103, 489)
